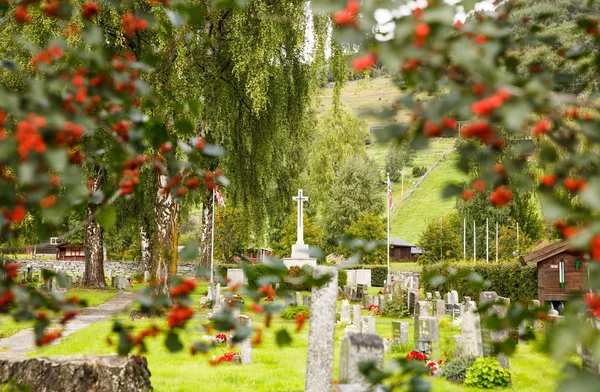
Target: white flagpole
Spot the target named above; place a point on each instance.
(465, 239)
(402, 185)
(212, 238)
(496, 242)
(441, 238)
(388, 228)
(487, 242)
(474, 246)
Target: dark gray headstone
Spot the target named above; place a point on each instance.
(356, 348)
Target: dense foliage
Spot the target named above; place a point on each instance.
(508, 279)
(456, 368)
(487, 373)
(368, 227)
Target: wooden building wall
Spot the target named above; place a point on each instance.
(548, 277)
(401, 253)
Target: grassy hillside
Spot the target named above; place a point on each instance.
(373, 94)
(426, 203)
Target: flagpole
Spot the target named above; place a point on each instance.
(212, 238)
(388, 228)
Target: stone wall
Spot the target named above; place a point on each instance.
(401, 276)
(78, 267)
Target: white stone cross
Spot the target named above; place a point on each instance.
(300, 199)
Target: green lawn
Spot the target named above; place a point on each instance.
(407, 267)
(273, 368)
(93, 297)
(426, 203)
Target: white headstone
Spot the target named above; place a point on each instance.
(471, 331)
(368, 324)
(345, 312)
(356, 321)
(246, 344)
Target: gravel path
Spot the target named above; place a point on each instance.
(23, 342)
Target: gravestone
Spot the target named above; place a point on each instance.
(53, 287)
(375, 300)
(210, 293)
(356, 348)
(356, 317)
(399, 332)
(413, 297)
(535, 304)
(290, 300)
(113, 282)
(489, 337)
(321, 333)
(368, 324)
(298, 297)
(429, 296)
(471, 331)
(345, 312)
(440, 308)
(454, 297)
(422, 309)
(365, 301)
(427, 328)
(437, 295)
(110, 275)
(146, 276)
(306, 300)
(29, 274)
(382, 302)
(218, 292)
(246, 344)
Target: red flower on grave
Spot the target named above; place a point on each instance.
(300, 318)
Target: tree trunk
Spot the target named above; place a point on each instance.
(146, 249)
(205, 241)
(93, 240)
(164, 254)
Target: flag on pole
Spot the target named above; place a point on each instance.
(220, 199)
(390, 199)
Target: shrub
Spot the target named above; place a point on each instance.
(138, 278)
(487, 373)
(395, 308)
(257, 271)
(456, 368)
(342, 278)
(510, 280)
(447, 345)
(419, 171)
(291, 312)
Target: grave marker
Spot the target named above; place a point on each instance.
(356, 348)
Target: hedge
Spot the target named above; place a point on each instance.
(510, 280)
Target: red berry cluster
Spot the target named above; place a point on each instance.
(268, 291)
(131, 24)
(365, 62)
(347, 16)
(595, 247)
(575, 185)
(48, 338)
(486, 106)
(501, 196)
(541, 127)
(187, 286)
(422, 31)
(432, 129)
(22, 15)
(481, 130)
(72, 133)
(48, 56)
(27, 136)
(69, 315)
(152, 332)
(90, 10)
(300, 319)
(179, 315)
(548, 180)
(566, 231)
(593, 303)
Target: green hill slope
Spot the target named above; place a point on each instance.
(426, 203)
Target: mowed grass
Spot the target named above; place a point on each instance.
(93, 297)
(274, 368)
(426, 204)
(407, 267)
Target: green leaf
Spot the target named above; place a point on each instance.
(173, 343)
(184, 126)
(190, 251)
(57, 158)
(9, 65)
(283, 338)
(107, 218)
(62, 280)
(451, 190)
(591, 194)
(468, 5)
(92, 35)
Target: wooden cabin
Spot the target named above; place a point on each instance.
(561, 271)
(401, 250)
(70, 252)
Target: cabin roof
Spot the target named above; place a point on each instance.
(545, 253)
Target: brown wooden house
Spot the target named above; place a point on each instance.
(561, 271)
(70, 252)
(401, 250)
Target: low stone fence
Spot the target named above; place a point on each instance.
(403, 276)
(74, 267)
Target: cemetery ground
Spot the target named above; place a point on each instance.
(274, 368)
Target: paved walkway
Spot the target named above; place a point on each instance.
(23, 342)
